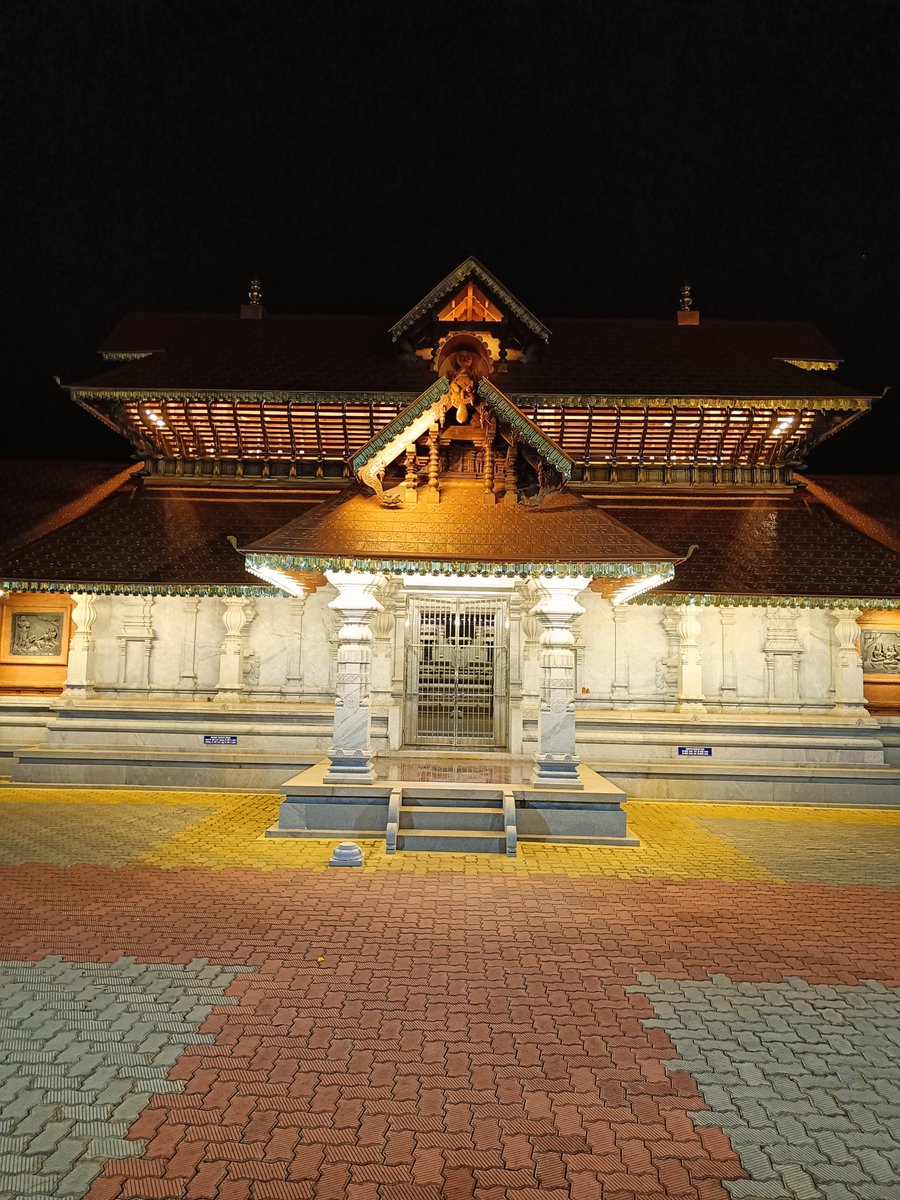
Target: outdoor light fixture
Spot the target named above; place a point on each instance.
(638, 588)
(277, 579)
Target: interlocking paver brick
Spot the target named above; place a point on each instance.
(467, 1008)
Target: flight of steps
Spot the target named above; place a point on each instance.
(466, 818)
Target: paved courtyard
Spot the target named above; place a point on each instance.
(192, 1011)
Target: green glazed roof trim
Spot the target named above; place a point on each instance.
(850, 403)
(526, 429)
(471, 268)
(745, 600)
(402, 421)
(392, 566)
(55, 587)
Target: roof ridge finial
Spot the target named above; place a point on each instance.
(255, 292)
(686, 299)
(687, 314)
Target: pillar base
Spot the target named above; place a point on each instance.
(556, 771)
(348, 767)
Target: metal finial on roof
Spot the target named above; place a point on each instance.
(686, 300)
(255, 292)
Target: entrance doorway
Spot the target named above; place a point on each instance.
(456, 673)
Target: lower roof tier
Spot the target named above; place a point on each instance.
(838, 538)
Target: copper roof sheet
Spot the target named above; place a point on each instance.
(596, 357)
(564, 528)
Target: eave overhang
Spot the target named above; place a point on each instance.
(70, 587)
(754, 600)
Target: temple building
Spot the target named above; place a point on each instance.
(460, 579)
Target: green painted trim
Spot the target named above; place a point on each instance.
(402, 421)
(852, 403)
(527, 430)
(465, 270)
(82, 395)
(504, 570)
(722, 600)
(53, 587)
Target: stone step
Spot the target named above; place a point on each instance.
(466, 795)
(460, 818)
(442, 841)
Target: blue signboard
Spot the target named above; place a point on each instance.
(695, 751)
(219, 739)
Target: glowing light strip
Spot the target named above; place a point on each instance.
(278, 579)
(638, 588)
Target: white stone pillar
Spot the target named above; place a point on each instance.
(187, 674)
(556, 763)
(292, 688)
(690, 681)
(80, 672)
(729, 662)
(351, 752)
(620, 687)
(848, 670)
(136, 642)
(239, 612)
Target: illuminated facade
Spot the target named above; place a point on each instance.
(580, 543)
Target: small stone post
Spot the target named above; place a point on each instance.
(292, 688)
(556, 762)
(80, 673)
(848, 671)
(690, 680)
(351, 752)
(239, 612)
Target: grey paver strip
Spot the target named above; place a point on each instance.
(803, 1124)
(78, 1083)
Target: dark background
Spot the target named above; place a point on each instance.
(593, 155)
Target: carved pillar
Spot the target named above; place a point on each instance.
(434, 466)
(620, 684)
(80, 673)
(292, 688)
(848, 671)
(135, 638)
(729, 662)
(670, 673)
(410, 495)
(556, 763)
(239, 612)
(690, 681)
(490, 429)
(351, 751)
(187, 674)
(510, 483)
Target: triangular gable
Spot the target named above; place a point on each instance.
(399, 424)
(509, 412)
(493, 289)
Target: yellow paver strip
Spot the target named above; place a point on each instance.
(674, 840)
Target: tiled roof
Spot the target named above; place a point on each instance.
(593, 357)
(564, 528)
(156, 535)
(176, 534)
(35, 493)
(765, 546)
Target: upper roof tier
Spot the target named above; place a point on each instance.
(587, 358)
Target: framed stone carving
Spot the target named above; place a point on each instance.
(34, 635)
(881, 651)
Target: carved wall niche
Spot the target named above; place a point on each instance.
(880, 648)
(35, 632)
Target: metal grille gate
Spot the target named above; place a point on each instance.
(456, 672)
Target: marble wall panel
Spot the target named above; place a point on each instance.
(168, 636)
(106, 648)
(210, 635)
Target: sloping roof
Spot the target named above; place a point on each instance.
(794, 546)
(471, 268)
(587, 357)
(157, 535)
(563, 529)
(35, 494)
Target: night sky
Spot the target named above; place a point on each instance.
(593, 155)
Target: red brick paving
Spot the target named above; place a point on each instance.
(465, 1037)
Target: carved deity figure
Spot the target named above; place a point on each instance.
(462, 384)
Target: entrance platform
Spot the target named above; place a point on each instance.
(462, 803)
